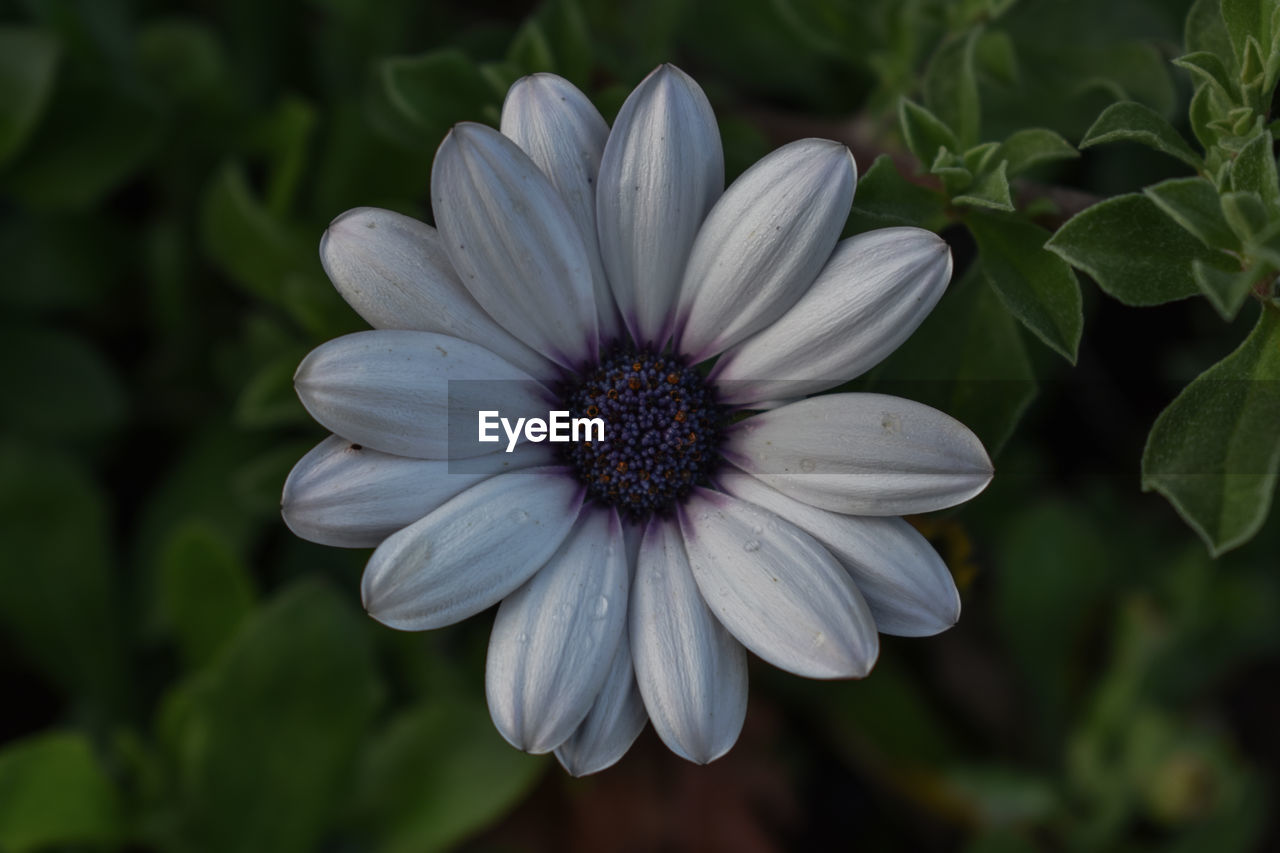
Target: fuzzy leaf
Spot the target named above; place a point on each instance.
(54, 791)
(1206, 30)
(995, 56)
(1246, 214)
(1214, 452)
(1193, 203)
(205, 591)
(28, 59)
(1245, 19)
(924, 132)
(59, 601)
(1027, 148)
(1225, 290)
(1133, 251)
(1206, 67)
(437, 773)
(886, 198)
(1254, 170)
(990, 191)
(269, 733)
(1129, 121)
(1037, 287)
(418, 98)
(951, 86)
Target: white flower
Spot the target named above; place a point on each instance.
(601, 267)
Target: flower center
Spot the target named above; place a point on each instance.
(661, 431)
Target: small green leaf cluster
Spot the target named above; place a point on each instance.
(1215, 451)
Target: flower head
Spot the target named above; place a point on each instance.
(601, 272)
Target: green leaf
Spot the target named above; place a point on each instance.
(1132, 122)
(995, 56)
(251, 245)
(271, 257)
(1214, 452)
(1254, 170)
(59, 602)
(1207, 106)
(981, 157)
(1027, 148)
(990, 191)
(205, 591)
(1193, 203)
(1037, 287)
(924, 132)
(951, 87)
(1246, 214)
(285, 136)
(1206, 31)
(966, 359)
(182, 58)
(28, 59)
(530, 50)
(1133, 251)
(269, 400)
(438, 773)
(1208, 68)
(92, 142)
(951, 169)
(59, 386)
(266, 739)
(1247, 19)
(886, 198)
(54, 791)
(1044, 615)
(566, 31)
(1226, 291)
(416, 99)
(999, 795)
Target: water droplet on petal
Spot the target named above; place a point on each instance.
(601, 607)
(519, 516)
(522, 638)
(808, 466)
(751, 545)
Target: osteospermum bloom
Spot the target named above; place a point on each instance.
(594, 271)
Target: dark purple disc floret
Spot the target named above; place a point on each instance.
(662, 428)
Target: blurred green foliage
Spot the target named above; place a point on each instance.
(182, 674)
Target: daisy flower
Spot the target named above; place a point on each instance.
(610, 274)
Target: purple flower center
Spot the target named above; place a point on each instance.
(662, 428)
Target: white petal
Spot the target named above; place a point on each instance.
(554, 638)
(862, 454)
(564, 134)
(614, 722)
(904, 581)
(776, 589)
(868, 299)
(413, 393)
(692, 673)
(663, 169)
(764, 243)
(394, 272)
(351, 496)
(514, 243)
(472, 551)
